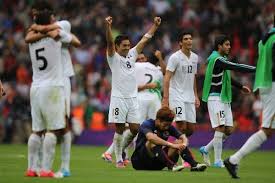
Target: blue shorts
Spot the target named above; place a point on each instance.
(141, 160)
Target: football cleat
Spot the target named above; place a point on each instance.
(205, 156)
(49, 174)
(120, 164)
(107, 157)
(200, 167)
(31, 173)
(231, 168)
(177, 168)
(218, 164)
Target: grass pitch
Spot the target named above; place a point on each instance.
(87, 166)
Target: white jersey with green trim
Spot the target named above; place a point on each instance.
(148, 73)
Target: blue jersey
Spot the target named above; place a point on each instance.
(149, 126)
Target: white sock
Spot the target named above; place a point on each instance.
(254, 142)
(110, 150)
(48, 151)
(209, 146)
(118, 146)
(34, 143)
(217, 143)
(126, 151)
(40, 153)
(127, 139)
(66, 151)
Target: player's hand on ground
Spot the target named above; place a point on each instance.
(109, 20)
(157, 21)
(246, 90)
(54, 33)
(197, 102)
(158, 54)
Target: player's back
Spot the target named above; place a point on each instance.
(147, 73)
(46, 63)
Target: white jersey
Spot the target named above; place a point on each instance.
(124, 84)
(66, 57)
(148, 73)
(47, 61)
(182, 82)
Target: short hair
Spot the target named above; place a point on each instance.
(121, 38)
(153, 59)
(219, 40)
(165, 114)
(43, 17)
(183, 33)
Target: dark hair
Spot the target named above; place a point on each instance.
(121, 38)
(220, 40)
(165, 114)
(153, 59)
(43, 17)
(183, 33)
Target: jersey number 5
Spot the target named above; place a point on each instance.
(41, 58)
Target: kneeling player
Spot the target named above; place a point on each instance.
(154, 152)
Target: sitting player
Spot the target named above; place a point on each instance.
(154, 152)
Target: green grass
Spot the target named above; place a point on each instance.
(87, 166)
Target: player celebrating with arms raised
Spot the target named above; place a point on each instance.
(124, 104)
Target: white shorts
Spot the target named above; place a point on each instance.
(124, 110)
(47, 108)
(149, 106)
(67, 90)
(185, 111)
(268, 101)
(220, 113)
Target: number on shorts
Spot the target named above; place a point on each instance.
(178, 110)
(116, 111)
(222, 115)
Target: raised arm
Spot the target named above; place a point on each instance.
(161, 61)
(148, 35)
(109, 37)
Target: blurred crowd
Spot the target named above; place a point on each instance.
(245, 21)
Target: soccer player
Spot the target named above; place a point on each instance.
(37, 32)
(124, 104)
(2, 91)
(149, 81)
(154, 152)
(265, 82)
(47, 94)
(180, 90)
(217, 93)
